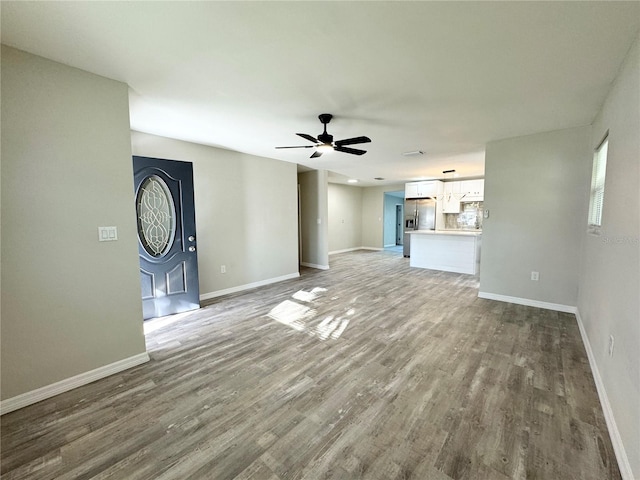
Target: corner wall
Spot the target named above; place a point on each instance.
(314, 219)
(536, 192)
(70, 304)
(246, 213)
(609, 298)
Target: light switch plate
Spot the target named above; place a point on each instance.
(107, 234)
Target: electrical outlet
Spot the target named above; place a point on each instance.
(223, 269)
(535, 276)
(611, 345)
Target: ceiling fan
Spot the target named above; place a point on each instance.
(325, 143)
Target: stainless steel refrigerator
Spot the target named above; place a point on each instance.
(419, 214)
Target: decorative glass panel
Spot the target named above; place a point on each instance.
(156, 216)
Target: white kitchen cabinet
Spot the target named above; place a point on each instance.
(473, 190)
(451, 197)
(411, 190)
(448, 251)
(427, 189)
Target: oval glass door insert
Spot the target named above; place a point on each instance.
(156, 216)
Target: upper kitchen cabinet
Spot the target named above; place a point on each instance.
(451, 197)
(429, 189)
(472, 190)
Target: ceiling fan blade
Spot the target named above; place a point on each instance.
(308, 137)
(353, 151)
(299, 146)
(316, 154)
(353, 141)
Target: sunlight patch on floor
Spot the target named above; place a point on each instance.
(154, 324)
(296, 315)
(291, 314)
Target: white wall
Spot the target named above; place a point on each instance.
(345, 217)
(609, 298)
(314, 218)
(536, 191)
(246, 212)
(70, 304)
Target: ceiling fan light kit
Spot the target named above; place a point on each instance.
(324, 143)
(325, 148)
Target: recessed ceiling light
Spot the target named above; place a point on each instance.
(413, 153)
(352, 180)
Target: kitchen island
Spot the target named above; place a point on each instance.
(449, 250)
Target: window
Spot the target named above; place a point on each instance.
(597, 183)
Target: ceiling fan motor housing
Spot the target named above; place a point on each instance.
(324, 137)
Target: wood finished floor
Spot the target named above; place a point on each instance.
(381, 372)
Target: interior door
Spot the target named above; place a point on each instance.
(166, 236)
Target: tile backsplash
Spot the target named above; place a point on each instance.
(469, 218)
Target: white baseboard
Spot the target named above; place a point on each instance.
(39, 394)
(357, 248)
(248, 286)
(345, 250)
(528, 302)
(314, 265)
(614, 433)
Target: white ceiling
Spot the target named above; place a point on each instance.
(441, 77)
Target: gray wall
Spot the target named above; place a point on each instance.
(609, 299)
(345, 217)
(373, 214)
(314, 218)
(536, 191)
(70, 304)
(246, 212)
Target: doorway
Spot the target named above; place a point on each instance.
(166, 221)
(399, 224)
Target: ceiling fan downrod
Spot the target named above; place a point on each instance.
(324, 137)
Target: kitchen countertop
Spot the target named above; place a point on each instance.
(464, 233)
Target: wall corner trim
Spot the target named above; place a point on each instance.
(528, 302)
(39, 394)
(614, 433)
(248, 286)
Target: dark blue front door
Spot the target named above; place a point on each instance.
(166, 236)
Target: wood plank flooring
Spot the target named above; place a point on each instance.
(370, 370)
